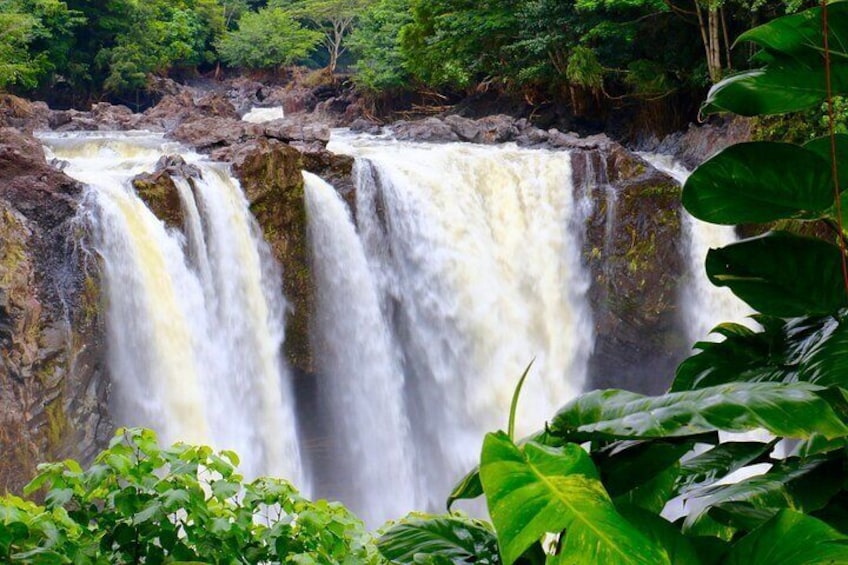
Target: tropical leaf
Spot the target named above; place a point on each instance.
(452, 538)
(759, 181)
(744, 355)
(539, 489)
(718, 462)
(793, 78)
(821, 147)
(795, 410)
(467, 488)
(806, 485)
(790, 538)
(781, 274)
(678, 547)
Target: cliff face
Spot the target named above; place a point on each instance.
(53, 386)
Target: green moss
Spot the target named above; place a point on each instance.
(57, 423)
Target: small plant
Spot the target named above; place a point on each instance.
(142, 503)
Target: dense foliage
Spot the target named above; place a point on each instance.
(142, 503)
(588, 54)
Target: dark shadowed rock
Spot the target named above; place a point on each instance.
(362, 125)
(633, 251)
(53, 385)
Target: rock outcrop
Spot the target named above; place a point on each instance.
(53, 385)
(633, 250)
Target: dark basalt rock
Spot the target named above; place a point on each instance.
(633, 250)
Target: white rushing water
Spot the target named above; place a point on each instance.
(704, 305)
(258, 115)
(371, 437)
(473, 255)
(194, 322)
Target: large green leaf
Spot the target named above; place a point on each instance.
(455, 539)
(795, 410)
(678, 547)
(793, 78)
(759, 182)
(790, 538)
(821, 146)
(744, 355)
(782, 274)
(537, 489)
(806, 485)
(642, 473)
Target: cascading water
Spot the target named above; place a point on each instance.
(261, 115)
(194, 322)
(365, 398)
(476, 270)
(704, 305)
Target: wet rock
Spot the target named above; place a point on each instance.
(336, 170)
(159, 191)
(362, 125)
(270, 173)
(53, 385)
(633, 249)
(699, 142)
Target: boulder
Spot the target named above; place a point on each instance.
(429, 129)
(300, 129)
(633, 249)
(23, 114)
(210, 133)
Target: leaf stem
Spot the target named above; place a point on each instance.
(514, 405)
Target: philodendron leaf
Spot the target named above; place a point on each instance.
(795, 410)
(793, 78)
(467, 488)
(790, 538)
(781, 274)
(677, 546)
(452, 538)
(821, 146)
(759, 182)
(537, 489)
(718, 462)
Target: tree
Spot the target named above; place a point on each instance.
(380, 66)
(334, 18)
(269, 38)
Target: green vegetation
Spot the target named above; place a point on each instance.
(141, 503)
(591, 487)
(266, 39)
(589, 54)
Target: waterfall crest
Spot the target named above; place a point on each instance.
(195, 321)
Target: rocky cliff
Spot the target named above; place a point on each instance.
(53, 384)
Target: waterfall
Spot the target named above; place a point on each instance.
(370, 439)
(704, 305)
(475, 266)
(194, 322)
